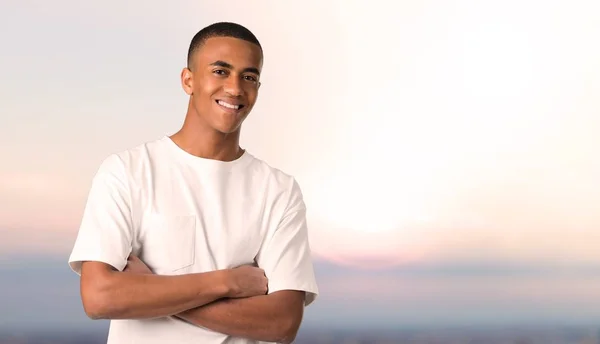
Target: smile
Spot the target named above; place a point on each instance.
(229, 106)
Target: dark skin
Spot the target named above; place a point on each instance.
(223, 69)
(231, 301)
(273, 318)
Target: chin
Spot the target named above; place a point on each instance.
(228, 126)
(228, 129)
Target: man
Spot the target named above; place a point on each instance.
(221, 236)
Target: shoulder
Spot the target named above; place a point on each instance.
(123, 164)
(275, 175)
(130, 157)
(279, 182)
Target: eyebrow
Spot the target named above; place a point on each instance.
(227, 65)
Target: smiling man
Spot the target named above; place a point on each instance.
(221, 235)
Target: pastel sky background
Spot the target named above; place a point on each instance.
(447, 150)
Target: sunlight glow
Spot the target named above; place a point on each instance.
(459, 134)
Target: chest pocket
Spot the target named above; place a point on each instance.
(169, 242)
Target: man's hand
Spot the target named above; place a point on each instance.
(247, 281)
(136, 266)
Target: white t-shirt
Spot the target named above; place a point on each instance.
(184, 214)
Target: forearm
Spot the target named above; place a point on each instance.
(119, 295)
(272, 318)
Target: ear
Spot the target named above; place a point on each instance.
(258, 87)
(187, 81)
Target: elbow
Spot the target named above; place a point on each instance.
(288, 329)
(96, 304)
(94, 313)
(96, 298)
(287, 340)
(95, 310)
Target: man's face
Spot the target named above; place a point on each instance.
(223, 82)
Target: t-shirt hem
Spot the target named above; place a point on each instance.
(311, 292)
(75, 262)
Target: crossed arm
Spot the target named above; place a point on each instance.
(202, 299)
(274, 318)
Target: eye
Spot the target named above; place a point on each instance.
(220, 72)
(250, 78)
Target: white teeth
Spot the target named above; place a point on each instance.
(227, 105)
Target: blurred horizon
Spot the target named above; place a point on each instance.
(404, 297)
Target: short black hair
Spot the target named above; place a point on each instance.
(220, 29)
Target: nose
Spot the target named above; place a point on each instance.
(233, 86)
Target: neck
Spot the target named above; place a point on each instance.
(208, 144)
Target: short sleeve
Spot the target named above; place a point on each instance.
(105, 233)
(286, 255)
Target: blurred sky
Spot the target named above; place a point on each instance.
(422, 133)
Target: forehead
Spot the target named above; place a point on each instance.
(237, 52)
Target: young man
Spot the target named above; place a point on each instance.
(221, 236)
